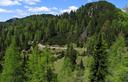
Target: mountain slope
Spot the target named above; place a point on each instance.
(90, 19)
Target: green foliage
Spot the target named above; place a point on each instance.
(71, 53)
(81, 65)
(66, 74)
(100, 64)
(82, 27)
(40, 67)
(90, 44)
(34, 71)
(80, 73)
(118, 57)
(12, 66)
(47, 62)
(62, 29)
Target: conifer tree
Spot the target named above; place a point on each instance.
(71, 53)
(69, 64)
(99, 67)
(12, 66)
(34, 70)
(40, 68)
(47, 62)
(81, 65)
(66, 74)
(80, 72)
(118, 61)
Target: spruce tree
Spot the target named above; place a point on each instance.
(81, 65)
(12, 66)
(71, 53)
(99, 67)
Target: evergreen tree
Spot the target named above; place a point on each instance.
(12, 65)
(99, 67)
(90, 44)
(118, 61)
(34, 70)
(69, 64)
(71, 53)
(81, 65)
(80, 73)
(66, 74)
(47, 62)
(40, 68)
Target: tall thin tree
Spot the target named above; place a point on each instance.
(12, 65)
(99, 67)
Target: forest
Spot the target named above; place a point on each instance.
(89, 45)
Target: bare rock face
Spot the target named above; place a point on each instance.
(83, 36)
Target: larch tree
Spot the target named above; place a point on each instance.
(80, 72)
(69, 64)
(118, 64)
(47, 63)
(12, 66)
(34, 69)
(40, 68)
(66, 74)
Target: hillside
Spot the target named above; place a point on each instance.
(90, 45)
(75, 27)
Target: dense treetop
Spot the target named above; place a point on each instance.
(99, 27)
(76, 26)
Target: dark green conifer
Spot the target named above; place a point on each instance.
(99, 67)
